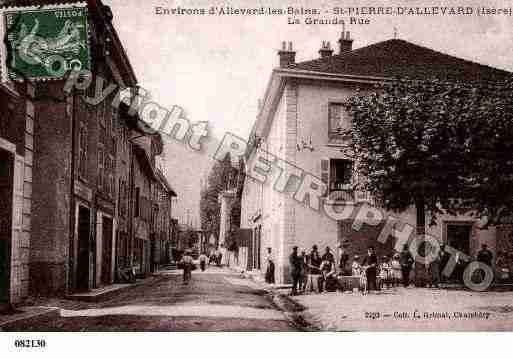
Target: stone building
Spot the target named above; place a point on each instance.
(73, 247)
(163, 224)
(298, 124)
(16, 161)
(81, 173)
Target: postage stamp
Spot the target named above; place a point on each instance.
(46, 43)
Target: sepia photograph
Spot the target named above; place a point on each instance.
(255, 166)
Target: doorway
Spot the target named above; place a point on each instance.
(153, 248)
(106, 276)
(84, 250)
(257, 238)
(458, 236)
(6, 209)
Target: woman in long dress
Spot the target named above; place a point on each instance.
(269, 271)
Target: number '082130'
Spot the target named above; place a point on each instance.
(30, 343)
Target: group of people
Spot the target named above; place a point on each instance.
(314, 272)
(188, 265)
(215, 257)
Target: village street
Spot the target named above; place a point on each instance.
(222, 300)
(410, 309)
(216, 300)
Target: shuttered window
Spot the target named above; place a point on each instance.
(337, 174)
(82, 150)
(338, 120)
(101, 169)
(325, 170)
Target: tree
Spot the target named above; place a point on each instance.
(222, 177)
(438, 146)
(190, 237)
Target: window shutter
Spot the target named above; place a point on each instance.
(325, 170)
(100, 168)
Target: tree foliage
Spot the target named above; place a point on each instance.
(444, 146)
(222, 177)
(189, 237)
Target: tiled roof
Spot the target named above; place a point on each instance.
(399, 58)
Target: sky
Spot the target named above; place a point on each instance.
(217, 67)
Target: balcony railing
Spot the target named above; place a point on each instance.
(349, 195)
(341, 196)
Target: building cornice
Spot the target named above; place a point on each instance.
(276, 86)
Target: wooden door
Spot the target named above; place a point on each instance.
(106, 275)
(84, 248)
(6, 219)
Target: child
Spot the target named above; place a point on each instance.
(396, 270)
(384, 275)
(356, 268)
(358, 271)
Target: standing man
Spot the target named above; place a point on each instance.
(444, 259)
(371, 261)
(434, 269)
(406, 265)
(303, 278)
(344, 258)
(203, 261)
(485, 255)
(187, 263)
(269, 271)
(295, 269)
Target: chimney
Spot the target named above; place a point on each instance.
(345, 42)
(326, 50)
(287, 56)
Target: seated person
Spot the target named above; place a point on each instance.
(356, 267)
(314, 271)
(329, 280)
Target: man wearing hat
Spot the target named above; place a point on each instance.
(303, 278)
(187, 266)
(406, 265)
(343, 258)
(295, 269)
(371, 261)
(314, 261)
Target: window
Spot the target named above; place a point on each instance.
(337, 174)
(123, 198)
(137, 204)
(82, 150)
(338, 120)
(101, 112)
(106, 171)
(120, 199)
(101, 169)
(110, 185)
(458, 235)
(113, 124)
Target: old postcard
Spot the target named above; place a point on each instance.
(203, 166)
